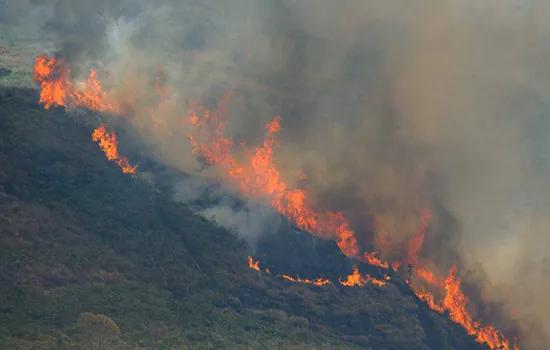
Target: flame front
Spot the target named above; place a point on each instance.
(455, 302)
(318, 281)
(57, 90)
(258, 177)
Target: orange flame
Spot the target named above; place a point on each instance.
(57, 90)
(396, 265)
(258, 177)
(372, 258)
(455, 302)
(53, 77)
(356, 279)
(430, 300)
(109, 145)
(253, 265)
(318, 281)
(429, 277)
(415, 244)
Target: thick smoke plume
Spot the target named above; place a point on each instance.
(388, 107)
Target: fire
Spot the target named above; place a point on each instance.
(455, 302)
(372, 258)
(253, 265)
(396, 265)
(415, 244)
(53, 77)
(430, 300)
(257, 176)
(57, 90)
(109, 145)
(429, 277)
(209, 126)
(356, 279)
(318, 281)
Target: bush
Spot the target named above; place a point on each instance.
(98, 331)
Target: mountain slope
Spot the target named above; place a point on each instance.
(79, 237)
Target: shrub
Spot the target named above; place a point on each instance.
(98, 331)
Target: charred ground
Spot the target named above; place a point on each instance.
(77, 236)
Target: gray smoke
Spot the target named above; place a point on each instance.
(388, 107)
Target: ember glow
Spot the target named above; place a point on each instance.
(257, 176)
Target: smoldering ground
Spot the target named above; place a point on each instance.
(388, 107)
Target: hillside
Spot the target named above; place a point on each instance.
(77, 236)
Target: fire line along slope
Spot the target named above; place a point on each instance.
(79, 237)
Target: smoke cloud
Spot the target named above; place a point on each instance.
(388, 107)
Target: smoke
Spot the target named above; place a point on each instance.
(388, 107)
(218, 204)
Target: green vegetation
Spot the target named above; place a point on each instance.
(92, 258)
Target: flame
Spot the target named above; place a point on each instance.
(430, 300)
(415, 244)
(57, 90)
(396, 265)
(253, 265)
(356, 279)
(318, 281)
(455, 302)
(429, 277)
(257, 176)
(53, 77)
(109, 145)
(372, 258)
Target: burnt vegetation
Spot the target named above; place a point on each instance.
(90, 255)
